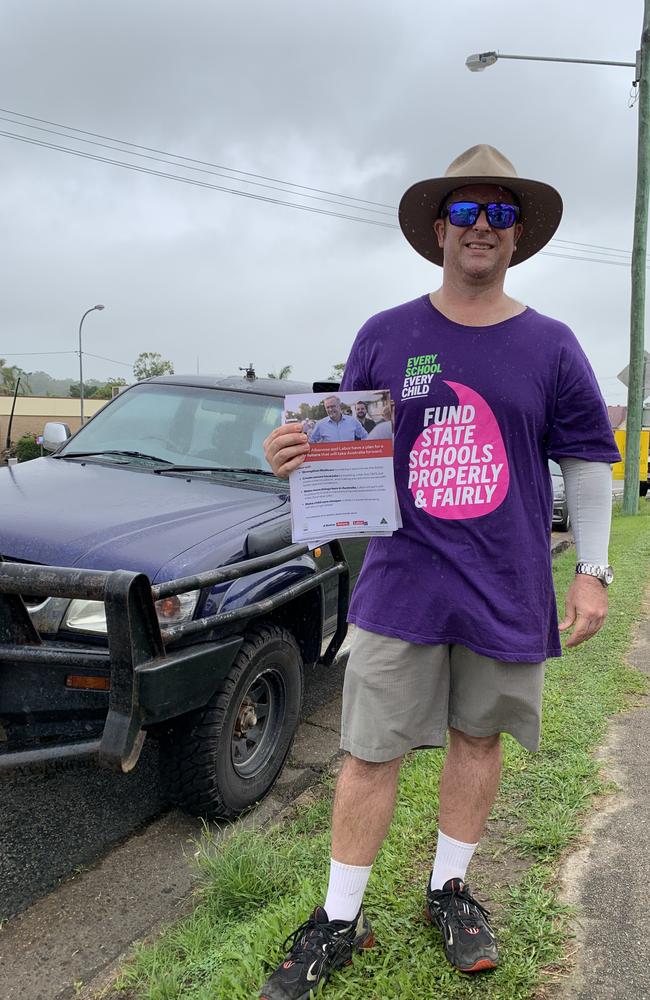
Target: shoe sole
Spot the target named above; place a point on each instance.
(481, 965)
(363, 945)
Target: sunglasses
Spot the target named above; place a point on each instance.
(500, 214)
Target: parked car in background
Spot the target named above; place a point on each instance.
(561, 519)
(149, 588)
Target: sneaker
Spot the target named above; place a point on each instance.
(469, 941)
(316, 949)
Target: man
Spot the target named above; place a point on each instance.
(362, 416)
(336, 426)
(384, 427)
(455, 612)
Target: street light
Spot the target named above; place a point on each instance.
(480, 61)
(81, 366)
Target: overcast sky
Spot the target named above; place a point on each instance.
(356, 98)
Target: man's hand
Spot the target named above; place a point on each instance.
(285, 449)
(585, 607)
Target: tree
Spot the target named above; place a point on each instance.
(106, 391)
(336, 373)
(42, 384)
(9, 375)
(96, 390)
(90, 391)
(283, 373)
(151, 363)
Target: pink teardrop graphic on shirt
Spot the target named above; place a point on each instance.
(458, 466)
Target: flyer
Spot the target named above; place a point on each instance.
(345, 488)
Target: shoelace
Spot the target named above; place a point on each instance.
(299, 950)
(467, 919)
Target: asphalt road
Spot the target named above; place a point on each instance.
(57, 820)
(54, 821)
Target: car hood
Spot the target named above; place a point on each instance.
(97, 516)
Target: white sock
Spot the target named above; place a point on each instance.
(451, 860)
(345, 891)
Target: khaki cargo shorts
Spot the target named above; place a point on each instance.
(399, 696)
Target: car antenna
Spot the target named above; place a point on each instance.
(249, 375)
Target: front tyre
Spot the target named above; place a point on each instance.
(223, 758)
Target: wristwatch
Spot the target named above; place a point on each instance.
(603, 573)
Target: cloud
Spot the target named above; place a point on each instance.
(361, 99)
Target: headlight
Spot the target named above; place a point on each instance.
(558, 491)
(86, 616)
(90, 616)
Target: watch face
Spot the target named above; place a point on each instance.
(608, 575)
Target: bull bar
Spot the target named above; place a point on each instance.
(151, 679)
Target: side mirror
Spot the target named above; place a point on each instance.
(55, 435)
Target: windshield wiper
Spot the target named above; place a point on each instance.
(111, 451)
(205, 468)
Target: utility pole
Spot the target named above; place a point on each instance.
(636, 384)
(479, 61)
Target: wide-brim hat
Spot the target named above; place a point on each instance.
(541, 204)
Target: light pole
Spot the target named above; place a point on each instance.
(635, 391)
(81, 364)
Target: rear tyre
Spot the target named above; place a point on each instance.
(222, 759)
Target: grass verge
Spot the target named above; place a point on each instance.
(259, 886)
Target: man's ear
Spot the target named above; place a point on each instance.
(439, 230)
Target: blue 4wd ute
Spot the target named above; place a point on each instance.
(148, 586)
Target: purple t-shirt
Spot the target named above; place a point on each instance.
(478, 413)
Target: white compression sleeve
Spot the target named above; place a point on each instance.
(588, 488)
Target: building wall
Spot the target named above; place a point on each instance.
(33, 412)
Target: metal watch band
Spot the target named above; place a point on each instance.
(603, 573)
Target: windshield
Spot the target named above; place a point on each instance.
(209, 428)
(554, 468)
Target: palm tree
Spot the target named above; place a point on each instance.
(283, 373)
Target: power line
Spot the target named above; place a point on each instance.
(591, 260)
(588, 247)
(234, 170)
(562, 245)
(194, 182)
(594, 246)
(102, 358)
(215, 168)
(191, 159)
(29, 354)
(203, 170)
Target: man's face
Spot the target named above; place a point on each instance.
(360, 409)
(478, 254)
(333, 408)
